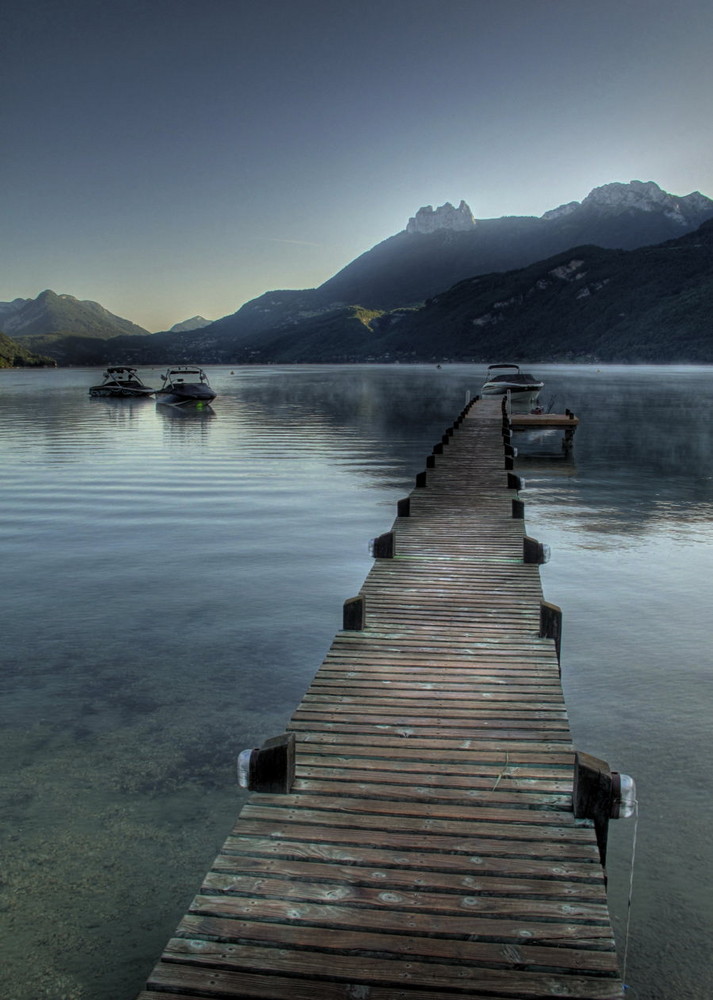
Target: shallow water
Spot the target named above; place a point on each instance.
(172, 583)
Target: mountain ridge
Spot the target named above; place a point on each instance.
(385, 292)
(410, 267)
(31, 320)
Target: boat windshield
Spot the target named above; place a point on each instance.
(185, 375)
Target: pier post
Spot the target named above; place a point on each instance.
(534, 551)
(551, 624)
(403, 507)
(354, 614)
(269, 768)
(514, 481)
(383, 547)
(592, 796)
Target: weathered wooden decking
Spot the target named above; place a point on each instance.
(428, 847)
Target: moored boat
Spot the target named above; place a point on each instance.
(185, 384)
(521, 385)
(121, 381)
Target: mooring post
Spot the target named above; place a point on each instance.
(403, 507)
(534, 551)
(354, 614)
(420, 480)
(269, 768)
(551, 624)
(592, 796)
(383, 547)
(514, 481)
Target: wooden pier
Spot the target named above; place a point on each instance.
(427, 847)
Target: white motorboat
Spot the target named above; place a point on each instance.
(521, 385)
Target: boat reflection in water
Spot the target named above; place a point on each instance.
(195, 410)
(185, 385)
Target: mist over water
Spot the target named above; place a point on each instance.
(173, 582)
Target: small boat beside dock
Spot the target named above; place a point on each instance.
(521, 385)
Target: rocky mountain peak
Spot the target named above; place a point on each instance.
(426, 220)
(647, 196)
(194, 323)
(642, 196)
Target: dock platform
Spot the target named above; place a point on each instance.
(427, 847)
(566, 422)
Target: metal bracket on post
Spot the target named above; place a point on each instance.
(269, 768)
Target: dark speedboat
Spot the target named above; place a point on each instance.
(185, 384)
(121, 381)
(520, 385)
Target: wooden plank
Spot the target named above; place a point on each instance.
(443, 748)
(326, 828)
(484, 913)
(217, 957)
(385, 858)
(408, 772)
(316, 905)
(458, 826)
(537, 733)
(340, 929)
(505, 887)
(542, 420)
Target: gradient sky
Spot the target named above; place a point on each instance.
(168, 158)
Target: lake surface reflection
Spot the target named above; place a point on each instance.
(173, 582)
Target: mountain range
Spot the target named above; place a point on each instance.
(624, 275)
(62, 327)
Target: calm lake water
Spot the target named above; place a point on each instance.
(171, 584)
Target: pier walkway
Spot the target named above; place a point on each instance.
(427, 848)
